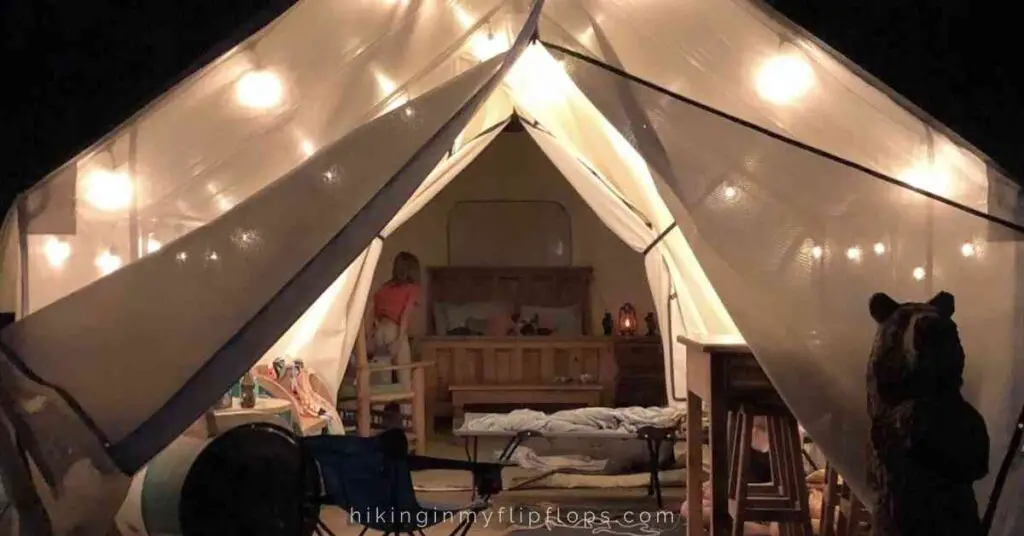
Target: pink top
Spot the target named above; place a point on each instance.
(392, 299)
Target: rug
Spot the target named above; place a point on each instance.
(577, 520)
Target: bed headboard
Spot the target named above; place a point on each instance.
(554, 286)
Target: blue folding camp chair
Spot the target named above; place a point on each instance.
(262, 480)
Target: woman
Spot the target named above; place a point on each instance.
(392, 304)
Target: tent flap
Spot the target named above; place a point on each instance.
(795, 244)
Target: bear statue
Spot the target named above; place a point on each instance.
(928, 445)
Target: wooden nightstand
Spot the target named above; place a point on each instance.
(641, 372)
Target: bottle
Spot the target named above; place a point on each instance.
(248, 391)
(607, 324)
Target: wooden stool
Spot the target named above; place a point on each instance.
(784, 500)
(853, 519)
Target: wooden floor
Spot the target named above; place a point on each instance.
(499, 520)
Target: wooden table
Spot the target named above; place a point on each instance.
(586, 395)
(717, 373)
(278, 407)
(270, 406)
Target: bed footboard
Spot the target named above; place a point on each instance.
(515, 361)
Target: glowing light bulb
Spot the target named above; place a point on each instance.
(919, 273)
(107, 262)
(817, 252)
(928, 177)
(853, 253)
(486, 46)
(730, 192)
(153, 245)
(968, 249)
(784, 78)
(57, 251)
(307, 147)
(259, 89)
(224, 203)
(212, 256)
(181, 256)
(879, 248)
(107, 190)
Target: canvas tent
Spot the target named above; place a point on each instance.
(770, 187)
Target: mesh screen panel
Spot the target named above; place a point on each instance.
(796, 243)
(738, 58)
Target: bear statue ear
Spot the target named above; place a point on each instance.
(944, 303)
(882, 307)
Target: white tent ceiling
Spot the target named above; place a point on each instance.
(245, 207)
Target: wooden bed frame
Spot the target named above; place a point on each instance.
(528, 363)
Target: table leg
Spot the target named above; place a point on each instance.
(721, 521)
(654, 487)
(694, 463)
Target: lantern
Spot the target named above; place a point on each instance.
(627, 320)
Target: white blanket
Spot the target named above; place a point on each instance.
(624, 420)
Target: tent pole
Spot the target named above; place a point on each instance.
(134, 237)
(23, 261)
(1004, 471)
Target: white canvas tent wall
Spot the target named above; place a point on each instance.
(764, 175)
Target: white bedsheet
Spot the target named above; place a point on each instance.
(624, 420)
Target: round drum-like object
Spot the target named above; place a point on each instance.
(254, 480)
(190, 478)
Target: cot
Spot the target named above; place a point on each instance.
(653, 436)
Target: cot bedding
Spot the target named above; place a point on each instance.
(583, 421)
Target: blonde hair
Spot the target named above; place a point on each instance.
(406, 268)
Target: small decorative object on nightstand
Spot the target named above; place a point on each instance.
(627, 320)
(652, 325)
(607, 324)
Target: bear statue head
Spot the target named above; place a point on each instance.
(917, 350)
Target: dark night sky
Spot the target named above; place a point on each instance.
(81, 68)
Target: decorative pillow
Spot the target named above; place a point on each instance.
(563, 321)
(448, 316)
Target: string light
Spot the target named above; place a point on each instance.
(934, 178)
(307, 147)
(259, 89)
(153, 245)
(489, 45)
(181, 256)
(817, 252)
(57, 251)
(879, 248)
(107, 262)
(108, 190)
(224, 202)
(730, 193)
(919, 273)
(854, 253)
(784, 78)
(968, 249)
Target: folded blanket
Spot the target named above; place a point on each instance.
(625, 420)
